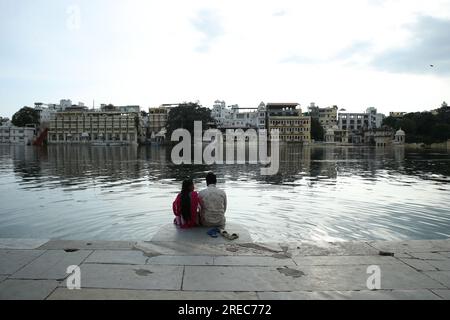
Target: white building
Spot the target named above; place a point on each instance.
(358, 121)
(10, 134)
(65, 103)
(234, 117)
(47, 113)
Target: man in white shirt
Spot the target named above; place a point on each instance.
(213, 202)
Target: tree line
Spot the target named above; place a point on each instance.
(423, 127)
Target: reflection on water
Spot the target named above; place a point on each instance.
(327, 193)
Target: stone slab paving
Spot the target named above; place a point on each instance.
(444, 294)
(440, 276)
(13, 260)
(445, 254)
(52, 264)
(181, 260)
(226, 270)
(88, 245)
(151, 248)
(403, 255)
(110, 276)
(343, 260)
(321, 248)
(412, 246)
(420, 265)
(117, 257)
(252, 261)
(122, 294)
(12, 289)
(24, 244)
(441, 265)
(428, 256)
(309, 278)
(170, 233)
(352, 295)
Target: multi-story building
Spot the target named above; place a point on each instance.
(17, 135)
(46, 112)
(234, 118)
(288, 119)
(326, 116)
(220, 113)
(157, 121)
(358, 121)
(79, 125)
(64, 104)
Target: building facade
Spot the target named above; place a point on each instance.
(157, 121)
(288, 119)
(77, 126)
(327, 116)
(379, 137)
(10, 134)
(335, 135)
(358, 121)
(235, 117)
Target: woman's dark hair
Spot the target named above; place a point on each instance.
(186, 199)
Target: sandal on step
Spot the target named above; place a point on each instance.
(213, 232)
(226, 235)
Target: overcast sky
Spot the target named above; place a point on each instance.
(353, 53)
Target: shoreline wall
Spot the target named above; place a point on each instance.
(440, 145)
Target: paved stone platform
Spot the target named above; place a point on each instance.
(191, 265)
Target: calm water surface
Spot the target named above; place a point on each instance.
(321, 193)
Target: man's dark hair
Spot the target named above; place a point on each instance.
(211, 178)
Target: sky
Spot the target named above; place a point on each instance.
(351, 53)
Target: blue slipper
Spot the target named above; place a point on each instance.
(214, 232)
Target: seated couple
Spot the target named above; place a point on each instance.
(206, 208)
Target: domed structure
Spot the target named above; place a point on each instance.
(400, 132)
(400, 136)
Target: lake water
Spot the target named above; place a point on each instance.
(321, 193)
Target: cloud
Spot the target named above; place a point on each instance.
(299, 59)
(279, 13)
(430, 45)
(209, 24)
(348, 53)
(356, 48)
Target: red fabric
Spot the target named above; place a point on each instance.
(176, 207)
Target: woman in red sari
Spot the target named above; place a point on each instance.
(186, 206)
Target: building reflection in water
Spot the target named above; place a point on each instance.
(80, 164)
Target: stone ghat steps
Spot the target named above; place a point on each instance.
(191, 265)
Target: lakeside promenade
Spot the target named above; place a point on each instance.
(188, 264)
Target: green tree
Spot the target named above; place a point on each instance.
(317, 131)
(184, 115)
(25, 116)
(441, 132)
(426, 127)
